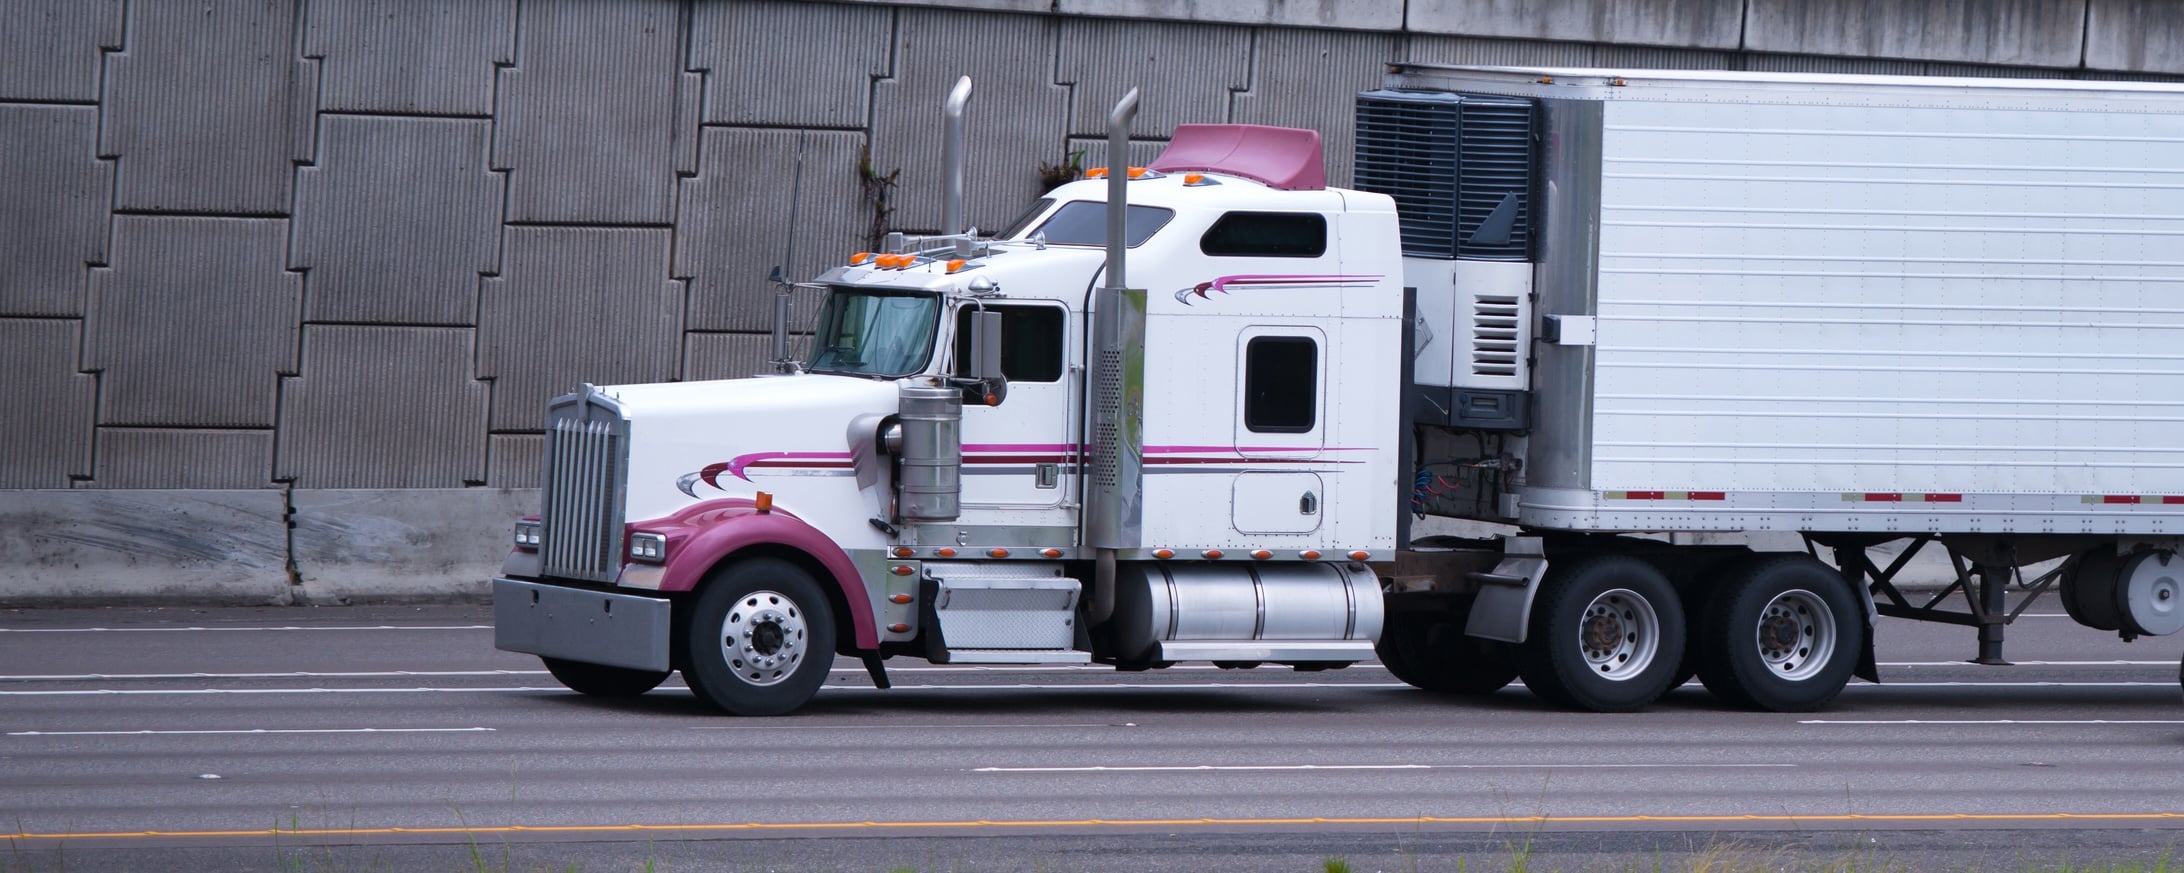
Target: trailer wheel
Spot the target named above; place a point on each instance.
(1783, 633)
(760, 638)
(599, 680)
(1433, 652)
(1607, 635)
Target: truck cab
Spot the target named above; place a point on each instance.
(993, 452)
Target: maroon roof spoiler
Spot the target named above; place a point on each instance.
(1284, 157)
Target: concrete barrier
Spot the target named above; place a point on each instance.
(391, 546)
(252, 548)
(83, 548)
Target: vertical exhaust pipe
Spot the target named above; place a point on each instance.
(1112, 515)
(951, 151)
(1118, 178)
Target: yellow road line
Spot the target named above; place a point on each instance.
(1136, 822)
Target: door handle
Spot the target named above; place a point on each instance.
(1308, 504)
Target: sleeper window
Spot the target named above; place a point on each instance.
(1281, 384)
(1267, 235)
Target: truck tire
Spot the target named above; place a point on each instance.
(1432, 652)
(1782, 633)
(599, 680)
(760, 639)
(1607, 634)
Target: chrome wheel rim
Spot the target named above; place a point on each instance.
(1795, 635)
(1619, 634)
(763, 637)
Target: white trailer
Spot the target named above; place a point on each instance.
(1610, 310)
(1857, 308)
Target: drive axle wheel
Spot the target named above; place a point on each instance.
(599, 680)
(760, 638)
(1607, 634)
(1783, 633)
(1431, 651)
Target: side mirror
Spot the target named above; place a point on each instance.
(986, 385)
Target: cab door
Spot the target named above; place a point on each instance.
(1022, 455)
(1281, 430)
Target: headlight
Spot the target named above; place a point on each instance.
(648, 547)
(527, 535)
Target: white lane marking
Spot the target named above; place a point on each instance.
(2169, 684)
(894, 726)
(145, 630)
(1272, 686)
(82, 692)
(456, 730)
(2168, 663)
(1962, 721)
(1022, 686)
(1189, 768)
(385, 674)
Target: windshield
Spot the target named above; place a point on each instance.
(875, 332)
(1084, 223)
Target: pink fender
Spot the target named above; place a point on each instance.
(700, 535)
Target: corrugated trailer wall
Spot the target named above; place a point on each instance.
(1844, 298)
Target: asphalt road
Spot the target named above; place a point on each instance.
(397, 738)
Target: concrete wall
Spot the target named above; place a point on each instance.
(350, 247)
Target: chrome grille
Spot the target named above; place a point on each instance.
(587, 456)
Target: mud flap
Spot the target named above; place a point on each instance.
(1503, 609)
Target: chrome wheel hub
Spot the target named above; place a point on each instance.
(763, 637)
(1796, 635)
(1620, 634)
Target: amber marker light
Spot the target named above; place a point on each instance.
(898, 598)
(901, 570)
(1096, 173)
(899, 627)
(945, 553)
(1262, 554)
(1309, 554)
(1137, 172)
(1164, 554)
(1360, 555)
(956, 264)
(1193, 178)
(1050, 553)
(904, 551)
(1211, 554)
(859, 258)
(998, 553)
(763, 503)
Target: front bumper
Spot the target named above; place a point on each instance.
(579, 624)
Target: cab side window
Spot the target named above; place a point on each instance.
(1032, 342)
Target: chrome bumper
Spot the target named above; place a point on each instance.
(577, 624)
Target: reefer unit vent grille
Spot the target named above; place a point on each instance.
(1459, 167)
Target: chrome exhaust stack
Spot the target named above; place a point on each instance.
(1113, 485)
(951, 150)
(1118, 178)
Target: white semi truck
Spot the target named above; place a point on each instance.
(1615, 312)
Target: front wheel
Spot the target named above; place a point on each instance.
(1783, 634)
(1607, 634)
(599, 680)
(760, 638)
